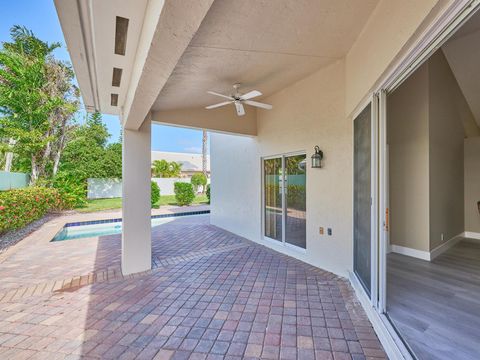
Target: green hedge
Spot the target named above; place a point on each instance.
(208, 193)
(155, 193)
(296, 195)
(21, 206)
(184, 193)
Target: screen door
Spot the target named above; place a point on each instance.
(362, 197)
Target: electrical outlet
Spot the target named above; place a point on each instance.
(321, 230)
(329, 231)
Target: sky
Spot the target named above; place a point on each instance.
(40, 16)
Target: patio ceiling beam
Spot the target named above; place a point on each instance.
(223, 119)
(167, 30)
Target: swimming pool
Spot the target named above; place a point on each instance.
(88, 229)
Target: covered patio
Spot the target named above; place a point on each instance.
(211, 294)
(322, 70)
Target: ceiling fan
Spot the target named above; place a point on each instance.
(239, 99)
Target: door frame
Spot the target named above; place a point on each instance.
(283, 242)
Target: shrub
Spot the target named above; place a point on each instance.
(198, 179)
(208, 193)
(72, 190)
(155, 193)
(184, 193)
(19, 207)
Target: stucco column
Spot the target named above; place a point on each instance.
(136, 232)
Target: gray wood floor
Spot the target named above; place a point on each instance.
(436, 305)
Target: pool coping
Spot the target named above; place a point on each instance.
(115, 220)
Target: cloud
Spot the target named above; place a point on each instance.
(193, 149)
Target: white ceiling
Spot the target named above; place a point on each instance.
(262, 44)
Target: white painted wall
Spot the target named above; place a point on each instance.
(235, 187)
(136, 207)
(307, 113)
(472, 184)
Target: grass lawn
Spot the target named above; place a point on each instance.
(116, 203)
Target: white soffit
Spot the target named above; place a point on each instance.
(89, 30)
(265, 45)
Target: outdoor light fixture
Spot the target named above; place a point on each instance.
(317, 158)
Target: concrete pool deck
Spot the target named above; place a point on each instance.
(210, 295)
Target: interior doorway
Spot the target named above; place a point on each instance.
(433, 260)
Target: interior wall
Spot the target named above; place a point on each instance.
(472, 184)
(446, 137)
(307, 113)
(407, 124)
(425, 137)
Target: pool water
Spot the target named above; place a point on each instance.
(111, 227)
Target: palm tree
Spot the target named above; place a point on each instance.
(204, 152)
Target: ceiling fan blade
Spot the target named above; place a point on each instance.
(240, 109)
(250, 95)
(221, 95)
(258, 104)
(218, 105)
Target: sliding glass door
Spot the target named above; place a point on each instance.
(285, 199)
(295, 200)
(273, 211)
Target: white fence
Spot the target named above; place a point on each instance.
(112, 188)
(104, 188)
(166, 184)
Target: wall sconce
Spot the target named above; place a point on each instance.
(317, 158)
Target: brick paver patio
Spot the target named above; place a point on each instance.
(211, 295)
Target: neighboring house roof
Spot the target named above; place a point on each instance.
(189, 161)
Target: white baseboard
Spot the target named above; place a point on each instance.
(419, 254)
(472, 235)
(429, 256)
(440, 249)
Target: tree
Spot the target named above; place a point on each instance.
(164, 169)
(37, 101)
(199, 179)
(87, 154)
(204, 152)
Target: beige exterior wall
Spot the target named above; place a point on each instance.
(393, 25)
(307, 113)
(472, 184)
(446, 136)
(317, 110)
